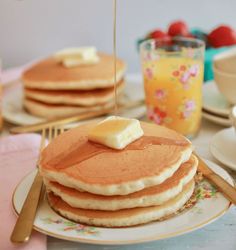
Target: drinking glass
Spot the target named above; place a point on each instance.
(173, 74)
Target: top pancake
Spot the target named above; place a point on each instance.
(111, 173)
(49, 74)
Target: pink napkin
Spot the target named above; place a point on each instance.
(11, 74)
(18, 156)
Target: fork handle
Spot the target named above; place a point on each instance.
(23, 227)
(227, 190)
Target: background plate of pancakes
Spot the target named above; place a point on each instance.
(14, 112)
(48, 90)
(205, 206)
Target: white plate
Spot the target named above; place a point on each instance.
(14, 112)
(223, 146)
(214, 101)
(217, 119)
(210, 205)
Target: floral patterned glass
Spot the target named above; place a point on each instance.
(173, 75)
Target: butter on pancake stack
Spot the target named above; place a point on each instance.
(52, 90)
(150, 179)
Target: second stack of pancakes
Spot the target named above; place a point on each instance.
(119, 189)
(52, 90)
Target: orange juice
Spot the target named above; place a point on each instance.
(173, 89)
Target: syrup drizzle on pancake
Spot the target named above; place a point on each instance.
(90, 149)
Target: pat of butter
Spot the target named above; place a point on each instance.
(73, 62)
(116, 132)
(72, 57)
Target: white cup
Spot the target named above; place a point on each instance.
(233, 116)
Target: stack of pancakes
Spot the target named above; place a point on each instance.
(52, 90)
(122, 188)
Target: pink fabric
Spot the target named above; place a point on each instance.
(11, 74)
(18, 156)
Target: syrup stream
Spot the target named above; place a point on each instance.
(114, 56)
(88, 149)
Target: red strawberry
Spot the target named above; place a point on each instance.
(222, 36)
(178, 28)
(157, 34)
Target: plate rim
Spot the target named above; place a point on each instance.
(216, 120)
(125, 242)
(212, 150)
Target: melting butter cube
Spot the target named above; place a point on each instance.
(80, 52)
(116, 132)
(71, 57)
(73, 62)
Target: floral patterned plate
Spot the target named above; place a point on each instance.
(208, 205)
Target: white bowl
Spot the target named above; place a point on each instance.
(226, 61)
(232, 117)
(226, 83)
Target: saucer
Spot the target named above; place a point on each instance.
(214, 101)
(220, 120)
(223, 145)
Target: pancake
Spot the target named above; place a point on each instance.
(124, 217)
(51, 111)
(151, 196)
(49, 74)
(109, 173)
(74, 97)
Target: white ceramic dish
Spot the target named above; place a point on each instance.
(14, 112)
(224, 68)
(210, 205)
(233, 116)
(226, 122)
(223, 145)
(214, 101)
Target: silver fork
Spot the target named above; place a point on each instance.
(24, 224)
